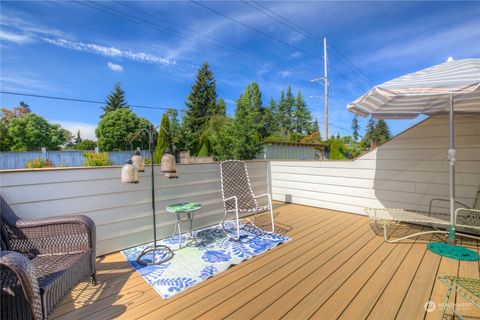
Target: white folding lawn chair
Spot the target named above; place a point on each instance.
(238, 196)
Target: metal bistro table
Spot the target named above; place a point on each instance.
(189, 208)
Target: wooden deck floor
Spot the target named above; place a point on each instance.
(336, 266)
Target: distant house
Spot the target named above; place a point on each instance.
(186, 158)
(274, 150)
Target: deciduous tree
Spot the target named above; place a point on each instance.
(117, 128)
(31, 132)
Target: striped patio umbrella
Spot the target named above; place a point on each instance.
(451, 88)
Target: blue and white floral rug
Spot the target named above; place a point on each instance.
(194, 264)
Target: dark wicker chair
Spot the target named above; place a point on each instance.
(41, 260)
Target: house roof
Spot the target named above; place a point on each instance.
(297, 144)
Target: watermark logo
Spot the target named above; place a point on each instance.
(430, 306)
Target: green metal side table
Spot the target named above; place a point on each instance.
(466, 287)
(188, 208)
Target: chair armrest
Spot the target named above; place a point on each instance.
(62, 234)
(444, 200)
(16, 270)
(470, 218)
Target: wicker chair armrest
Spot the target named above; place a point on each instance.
(444, 200)
(59, 234)
(17, 268)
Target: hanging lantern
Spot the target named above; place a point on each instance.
(137, 161)
(168, 165)
(129, 173)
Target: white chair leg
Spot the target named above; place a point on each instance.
(228, 233)
(238, 225)
(271, 219)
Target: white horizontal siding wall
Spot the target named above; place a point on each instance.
(405, 172)
(122, 212)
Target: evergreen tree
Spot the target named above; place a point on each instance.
(78, 139)
(175, 129)
(221, 107)
(204, 150)
(381, 132)
(201, 105)
(220, 133)
(315, 127)
(302, 117)
(246, 128)
(255, 98)
(115, 100)
(164, 140)
(270, 118)
(285, 110)
(369, 137)
(355, 128)
(23, 108)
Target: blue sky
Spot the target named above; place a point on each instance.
(79, 50)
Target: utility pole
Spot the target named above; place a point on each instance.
(324, 79)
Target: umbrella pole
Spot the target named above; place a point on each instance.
(451, 158)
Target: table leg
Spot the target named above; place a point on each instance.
(192, 236)
(177, 225)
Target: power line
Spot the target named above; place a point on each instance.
(80, 100)
(273, 38)
(338, 127)
(156, 16)
(254, 29)
(151, 25)
(354, 68)
(34, 13)
(289, 24)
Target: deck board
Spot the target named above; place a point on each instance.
(335, 266)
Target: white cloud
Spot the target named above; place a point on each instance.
(25, 33)
(415, 45)
(110, 51)
(15, 37)
(285, 73)
(87, 130)
(115, 67)
(25, 81)
(295, 55)
(295, 37)
(230, 101)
